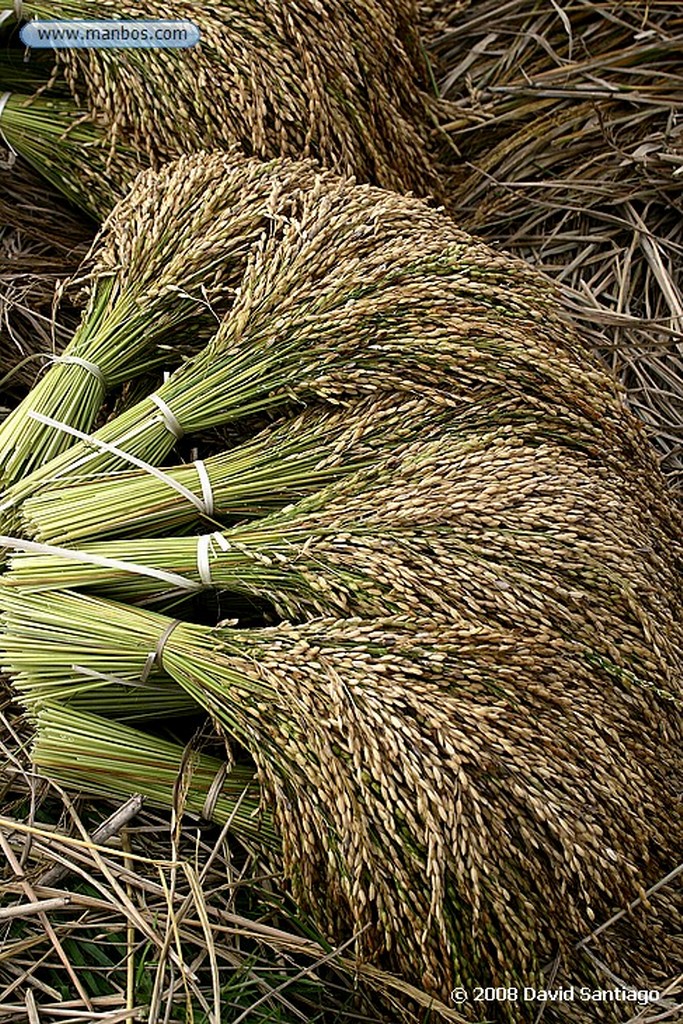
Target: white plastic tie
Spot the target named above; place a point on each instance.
(207, 490)
(214, 792)
(206, 551)
(104, 677)
(170, 421)
(92, 368)
(3, 101)
(114, 449)
(156, 657)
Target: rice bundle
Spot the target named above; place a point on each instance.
(566, 146)
(283, 463)
(106, 759)
(301, 80)
(430, 782)
(61, 142)
(502, 527)
(353, 292)
(150, 284)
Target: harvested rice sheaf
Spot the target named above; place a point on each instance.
(349, 291)
(354, 292)
(312, 79)
(454, 793)
(506, 528)
(163, 268)
(108, 759)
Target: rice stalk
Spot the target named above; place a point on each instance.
(108, 759)
(160, 274)
(62, 143)
(356, 292)
(501, 526)
(305, 80)
(422, 789)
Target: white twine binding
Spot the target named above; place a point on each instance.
(207, 490)
(113, 450)
(157, 655)
(92, 368)
(104, 677)
(214, 792)
(170, 421)
(204, 549)
(84, 557)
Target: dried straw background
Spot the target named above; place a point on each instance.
(563, 139)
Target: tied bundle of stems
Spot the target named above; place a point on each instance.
(164, 267)
(119, 693)
(107, 759)
(310, 80)
(282, 464)
(68, 148)
(287, 461)
(404, 760)
(511, 528)
(354, 292)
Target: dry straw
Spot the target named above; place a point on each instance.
(353, 291)
(311, 79)
(566, 147)
(42, 242)
(502, 526)
(455, 793)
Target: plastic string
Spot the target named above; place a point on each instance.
(121, 453)
(214, 792)
(207, 491)
(170, 421)
(92, 368)
(157, 655)
(204, 549)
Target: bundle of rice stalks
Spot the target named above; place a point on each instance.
(426, 799)
(283, 463)
(486, 526)
(64, 145)
(310, 79)
(165, 266)
(566, 147)
(109, 759)
(354, 291)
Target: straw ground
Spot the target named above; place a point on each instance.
(561, 126)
